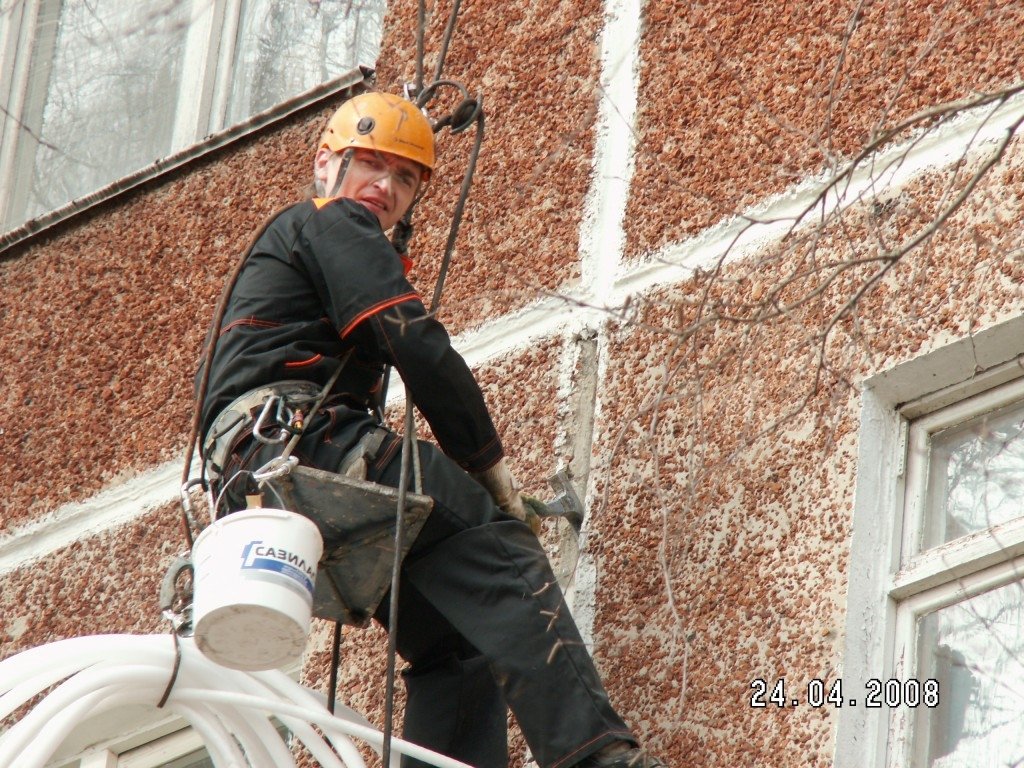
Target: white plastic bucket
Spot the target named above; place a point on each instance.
(254, 575)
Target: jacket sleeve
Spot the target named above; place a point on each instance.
(367, 298)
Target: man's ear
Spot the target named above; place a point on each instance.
(320, 161)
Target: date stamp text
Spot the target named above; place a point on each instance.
(874, 694)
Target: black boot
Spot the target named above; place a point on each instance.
(624, 757)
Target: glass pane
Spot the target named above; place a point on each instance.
(109, 85)
(975, 476)
(198, 759)
(285, 47)
(975, 649)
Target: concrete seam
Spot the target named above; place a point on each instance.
(602, 235)
(110, 508)
(744, 235)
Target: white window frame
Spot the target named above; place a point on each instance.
(167, 742)
(887, 590)
(155, 743)
(18, 51)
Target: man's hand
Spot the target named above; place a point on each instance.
(535, 511)
(504, 489)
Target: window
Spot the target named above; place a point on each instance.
(95, 89)
(961, 622)
(177, 750)
(935, 610)
(169, 744)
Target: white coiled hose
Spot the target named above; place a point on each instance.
(229, 709)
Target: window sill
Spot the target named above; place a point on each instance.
(352, 82)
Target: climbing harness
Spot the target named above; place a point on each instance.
(288, 400)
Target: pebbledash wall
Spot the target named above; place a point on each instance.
(641, 307)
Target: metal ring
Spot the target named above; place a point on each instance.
(279, 466)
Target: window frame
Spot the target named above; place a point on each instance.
(18, 51)
(153, 746)
(889, 584)
(210, 44)
(967, 554)
(909, 610)
(148, 740)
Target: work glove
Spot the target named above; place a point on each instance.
(535, 510)
(504, 489)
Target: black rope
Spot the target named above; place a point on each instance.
(211, 346)
(446, 40)
(460, 205)
(335, 664)
(469, 111)
(421, 23)
(382, 394)
(174, 672)
(408, 446)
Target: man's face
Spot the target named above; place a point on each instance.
(384, 183)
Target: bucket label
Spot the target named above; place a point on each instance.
(264, 557)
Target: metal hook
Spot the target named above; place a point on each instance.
(279, 466)
(176, 599)
(186, 501)
(257, 430)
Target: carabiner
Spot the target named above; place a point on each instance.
(257, 430)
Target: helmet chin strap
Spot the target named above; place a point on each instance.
(346, 156)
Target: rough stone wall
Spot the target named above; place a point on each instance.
(104, 584)
(741, 100)
(536, 68)
(719, 478)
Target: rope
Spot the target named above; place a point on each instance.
(408, 450)
(446, 39)
(207, 364)
(460, 206)
(174, 673)
(401, 237)
(421, 23)
(332, 692)
(211, 346)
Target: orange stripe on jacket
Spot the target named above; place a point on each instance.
(299, 363)
(379, 307)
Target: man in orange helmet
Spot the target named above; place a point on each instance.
(481, 615)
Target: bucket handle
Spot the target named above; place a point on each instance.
(175, 601)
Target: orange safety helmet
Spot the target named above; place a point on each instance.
(385, 123)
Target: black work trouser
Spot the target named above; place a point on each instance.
(482, 622)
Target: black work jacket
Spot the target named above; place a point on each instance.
(322, 279)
